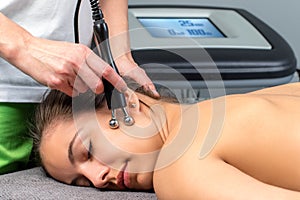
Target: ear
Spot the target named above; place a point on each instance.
(132, 100)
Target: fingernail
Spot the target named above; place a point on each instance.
(97, 91)
(99, 88)
(155, 93)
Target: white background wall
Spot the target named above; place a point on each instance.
(282, 15)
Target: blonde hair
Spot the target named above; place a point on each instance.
(58, 106)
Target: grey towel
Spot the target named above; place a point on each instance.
(33, 184)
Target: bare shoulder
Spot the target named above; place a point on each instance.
(285, 89)
(183, 179)
(212, 178)
(254, 146)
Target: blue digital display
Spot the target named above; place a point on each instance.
(181, 27)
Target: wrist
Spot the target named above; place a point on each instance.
(14, 52)
(13, 39)
(125, 63)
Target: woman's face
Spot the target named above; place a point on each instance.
(85, 151)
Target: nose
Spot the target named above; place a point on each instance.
(97, 173)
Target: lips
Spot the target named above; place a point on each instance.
(121, 178)
(126, 179)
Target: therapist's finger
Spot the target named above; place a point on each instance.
(62, 84)
(140, 76)
(89, 79)
(151, 90)
(104, 70)
(80, 85)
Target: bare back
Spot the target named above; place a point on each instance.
(258, 148)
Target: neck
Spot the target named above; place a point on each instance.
(164, 115)
(182, 130)
(173, 114)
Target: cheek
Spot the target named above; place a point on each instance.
(118, 141)
(140, 154)
(129, 139)
(145, 181)
(108, 152)
(141, 131)
(134, 145)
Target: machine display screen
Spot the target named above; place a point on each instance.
(180, 27)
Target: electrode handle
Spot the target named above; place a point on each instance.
(114, 98)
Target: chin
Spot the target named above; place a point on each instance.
(144, 182)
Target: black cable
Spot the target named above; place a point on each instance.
(76, 28)
(96, 12)
(96, 15)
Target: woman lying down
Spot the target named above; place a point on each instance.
(243, 146)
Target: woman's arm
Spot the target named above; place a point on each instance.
(13, 39)
(116, 16)
(213, 179)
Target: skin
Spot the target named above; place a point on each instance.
(101, 170)
(256, 155)
(73, 68)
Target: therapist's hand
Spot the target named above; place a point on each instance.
(70, 68)
(128, 67)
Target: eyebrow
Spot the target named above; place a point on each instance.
(70, 149)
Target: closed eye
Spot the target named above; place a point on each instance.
(89, 153)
